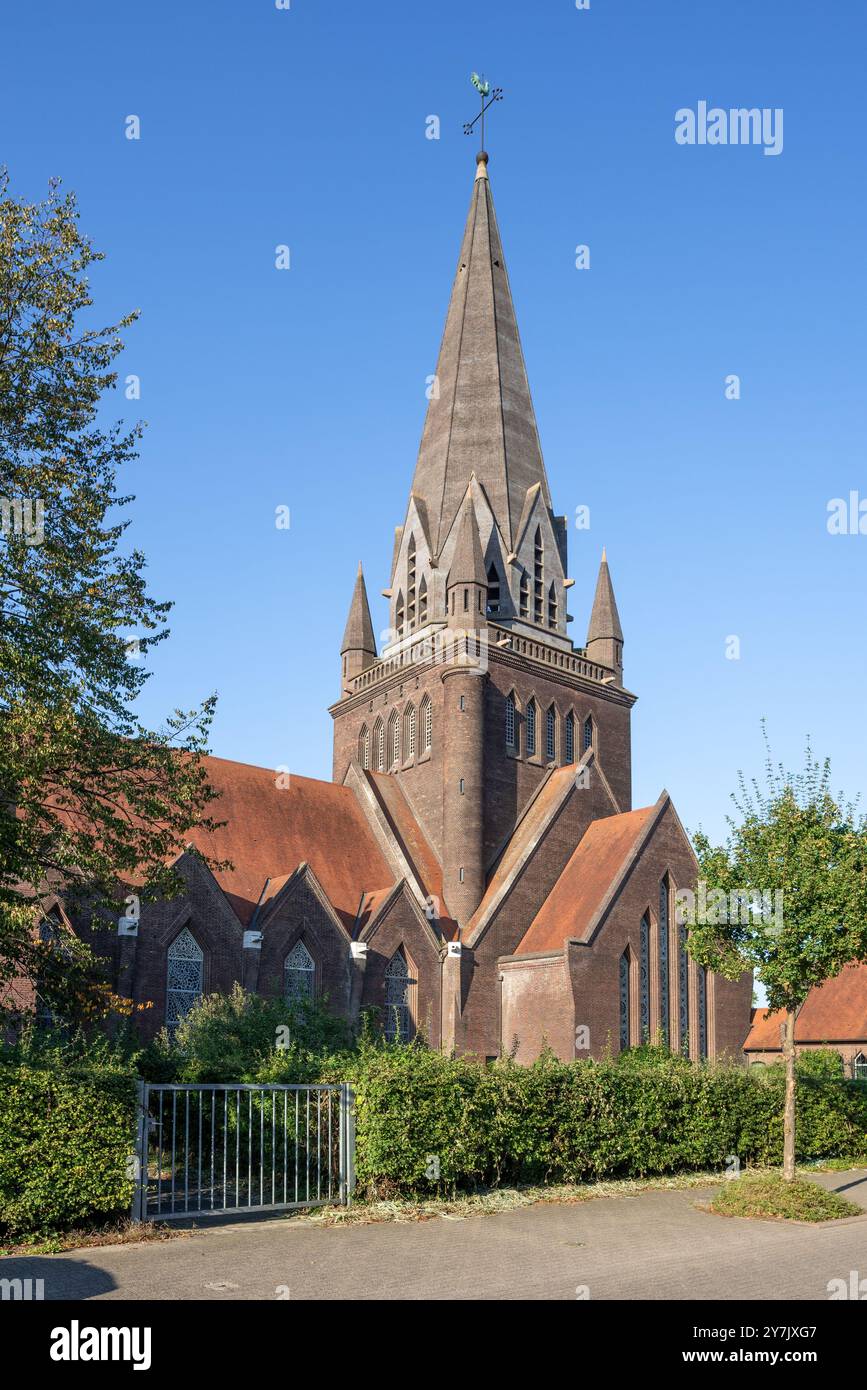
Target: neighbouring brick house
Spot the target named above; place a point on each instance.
(475, 869)
(834, 1016)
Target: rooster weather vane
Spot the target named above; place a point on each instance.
(488, 98)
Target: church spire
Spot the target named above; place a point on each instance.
(480, 417)
(605, 635)
(358, 648)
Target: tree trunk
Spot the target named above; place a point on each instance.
(788, 1040)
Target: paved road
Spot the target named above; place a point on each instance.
(655, 1245)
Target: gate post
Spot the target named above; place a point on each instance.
(140, 1157)
(347, 1143)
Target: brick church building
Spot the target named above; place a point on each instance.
(475, 869)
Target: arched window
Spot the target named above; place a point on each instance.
(625, 1021)
(510, 721)
(493, 589)
(531, 728)
(570, 737)
(588, 733)
(410, 583)
(422, 602)
(364, 747)
(299, 974)
(426, 724)
(644, 979)
(551, 734)
(683, 989)
(398, 613)
(398, 999)
(184, 975)
(663, 960)
(859, 1067)
(538, 576)
(393, 739)
(379, 745)
(552, 606)
(409, 732)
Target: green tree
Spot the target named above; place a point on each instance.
(795, 838)
(89, 797)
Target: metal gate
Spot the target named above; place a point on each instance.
(209, 1149)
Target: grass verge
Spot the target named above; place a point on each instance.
(765, 1196)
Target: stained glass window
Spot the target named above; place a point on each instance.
(550, 733)
(398, 1011)
(183, 977)
(570, 738)
(663, 961)
(624, 1001)
(299, 974)
(644, 977)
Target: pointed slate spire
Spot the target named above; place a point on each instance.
(358, 648)
(480, 418)
(468, 562)
(605, 635)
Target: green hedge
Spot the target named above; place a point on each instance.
(65, 1137)
(430, 1123)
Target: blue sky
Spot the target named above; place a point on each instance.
(305, 388)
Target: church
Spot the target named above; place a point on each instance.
(475, 871)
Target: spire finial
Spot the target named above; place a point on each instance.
(604, 556)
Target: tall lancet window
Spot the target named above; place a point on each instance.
(552, 606)
(683, 989)
(588, 733)
(394, 739)
(364, 747)
(399, 613)
(701, 983)
(570, 737)
(524, 595)
(663, 961)
(531, 728)
(409, 732)
(510, 721)
(426, 724)
(625, 1021)
(644, 979)
(551, 734)
(422, 602)
(399, 986)
(184, 977)
(410, 583)
(493, 590)
(379, 746)
(299, 974)
(538, 577)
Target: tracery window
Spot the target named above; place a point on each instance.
(184, 976)
(531, 728)
(663, 960)
(624, 1001)
(644, 979)
(299, 974)
(859, 1067)
(398, 1005)
(683, 989)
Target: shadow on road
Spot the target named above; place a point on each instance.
(59, 1278)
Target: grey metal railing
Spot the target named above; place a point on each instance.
(210, 1149)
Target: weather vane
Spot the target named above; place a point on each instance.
(488, 98)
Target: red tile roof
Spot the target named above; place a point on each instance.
(411, 837)
(581, 889)
(271, 830)
(834, 1012)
